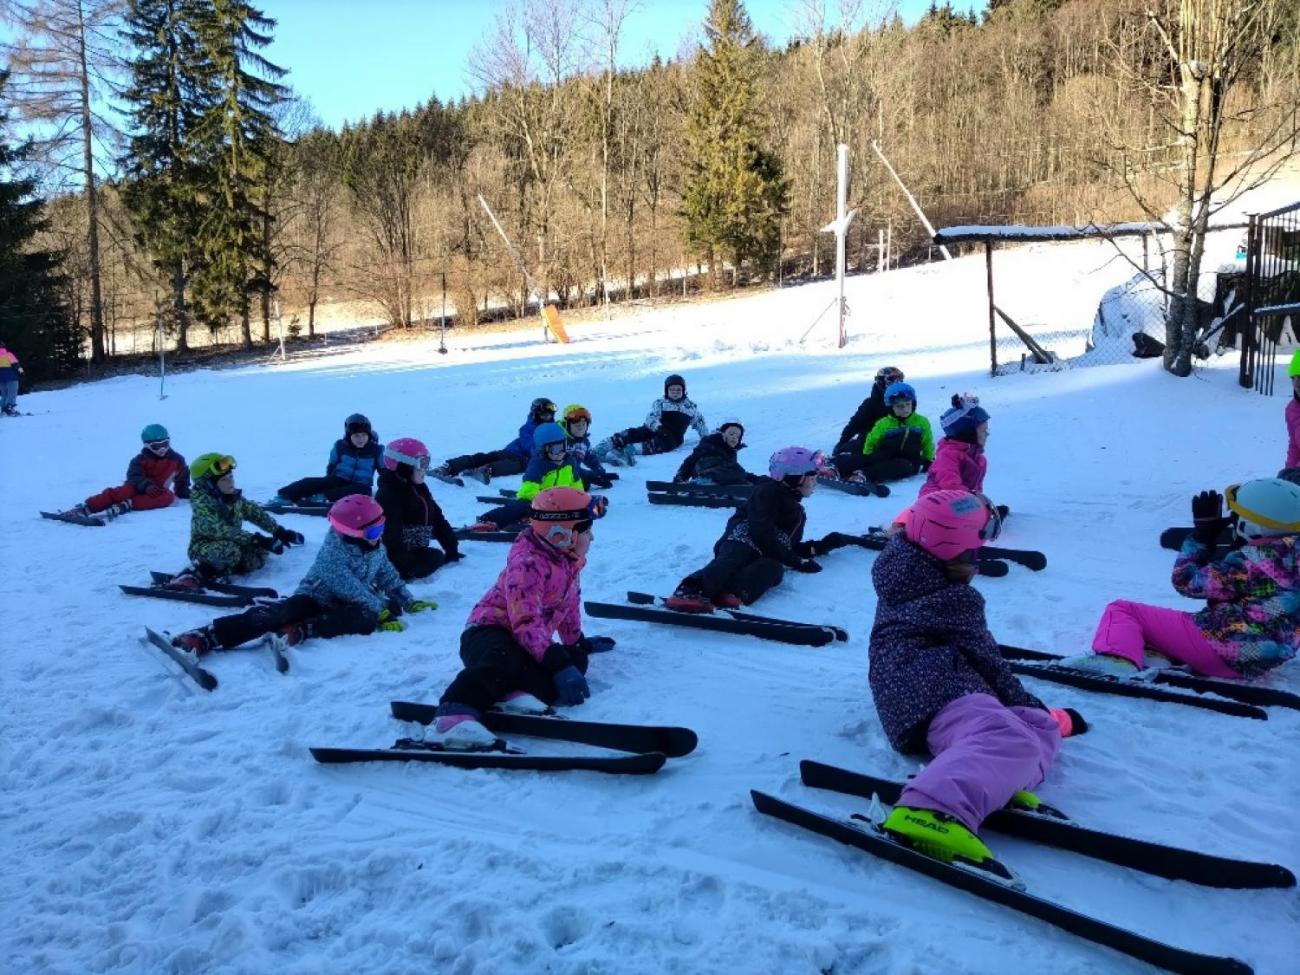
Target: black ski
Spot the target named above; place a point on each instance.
(163, 578)
(642, 764)
(800, 634)
(875, 538)
(646, 599)
(863, 489)
(1237, 690)
(1132, 688)
(690, 487)
(203, 678)
(1153, 858)
(989, 567)
(697, 500)
(188, 595)
(311, 510)
(870, 840)
(465, 535)
(673, 742)
(90, 521)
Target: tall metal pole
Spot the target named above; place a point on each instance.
(841, 196)
(442, 331)
(911, 199)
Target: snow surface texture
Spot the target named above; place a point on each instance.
(153, 827)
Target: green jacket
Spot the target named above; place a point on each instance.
(910, 438)
(215, 517)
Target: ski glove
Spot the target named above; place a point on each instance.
(807, 565)
(596, 644)
(1207, 517)
(388, 624)
(571, 687)
(288, 536)
(1069, 721)
(268, 543)
(420, 605)
(455, 555)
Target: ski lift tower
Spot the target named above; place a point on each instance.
(840, 228)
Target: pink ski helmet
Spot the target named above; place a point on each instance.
(357, 516)
(948, 523)
(406, 450)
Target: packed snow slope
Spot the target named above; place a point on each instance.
(152, 827)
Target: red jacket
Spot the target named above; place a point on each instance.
(169, 472)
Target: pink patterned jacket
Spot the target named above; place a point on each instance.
(958, 466)
(1293, 433)
(536, 595)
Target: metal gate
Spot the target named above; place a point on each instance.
(1272, 294)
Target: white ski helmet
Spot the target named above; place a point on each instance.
(1265, 508)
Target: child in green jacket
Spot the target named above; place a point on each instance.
(898, 446)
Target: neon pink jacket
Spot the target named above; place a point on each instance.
(1293, 433)
(535, 595)
(958, 466)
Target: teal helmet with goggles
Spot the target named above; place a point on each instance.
(357, 516)
(154, 433)
(211, 465)
(559, 514)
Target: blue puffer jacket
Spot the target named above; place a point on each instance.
(523, 444)
(347, 463)
(360, 575)
(930, 645)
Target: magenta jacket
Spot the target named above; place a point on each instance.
(536, 595)
(958, 466)
(1293, 433)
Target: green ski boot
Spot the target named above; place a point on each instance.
(940, 836)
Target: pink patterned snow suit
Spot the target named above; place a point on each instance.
(536, 595)
(1293, 433)
(958, 466)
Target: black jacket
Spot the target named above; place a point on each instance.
(411, 519)
(869, 413)
(713, 460)
(771, 522)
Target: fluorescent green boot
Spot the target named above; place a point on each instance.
(936, 835)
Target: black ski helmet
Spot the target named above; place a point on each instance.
(541, 405)
(675, 380)
(356, 423)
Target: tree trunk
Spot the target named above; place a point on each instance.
(1182, 304)
(179, 309)
(97, 353)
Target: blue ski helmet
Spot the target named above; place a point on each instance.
(548, 433)
(897, 391)
(154, 433)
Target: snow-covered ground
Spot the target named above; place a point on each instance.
(151, 827)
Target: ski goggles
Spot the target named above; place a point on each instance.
(420, 463)
(373, 532)
(223, 466)
(555, 450)
(160, 446)
(993, 527)
(594, 510)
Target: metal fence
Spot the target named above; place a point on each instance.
(1271, 303)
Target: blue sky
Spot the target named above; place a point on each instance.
(352, 58)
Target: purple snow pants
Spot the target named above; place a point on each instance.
(1127, 629)
(984, 753)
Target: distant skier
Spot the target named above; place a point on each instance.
(219, 546)
(869, 412)
(350, 588)
(155, 477)
(714, 459)
(899, 445)
(507, 647)
(940, 684)
(412, 519)
(11, 372)
(761, 540)
(576, 421)
(1251, 621)
(351, 468)
(511, 459)
(959, 461)
(664, 429)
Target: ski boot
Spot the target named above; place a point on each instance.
(79, 510)
(1102, 664)
(688, 599)
(727, 600)
(484, 526)
(481, 474)
(188, 579)
(280, 501)
(521, 702)
(292, 634)
(457, 728)
(941, 837)
(857, 477)
(196, 642)
(116, 510)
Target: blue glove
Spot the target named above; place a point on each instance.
(571, 687)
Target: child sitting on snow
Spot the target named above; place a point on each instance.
(576, 422)
(898, 445)
(507, 647)
(713, 461)
(351, 467)
(350, 588)
(219, 546)
(551, 466)
(1251, 622)
(155, 478)
(941, 686)
(511, 459)
(869, 412)
(412, 519)
(664, 428)
(959, 461)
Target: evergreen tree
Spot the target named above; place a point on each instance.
(35, 322)
(235, 138)
(169, 92)
(736, 192)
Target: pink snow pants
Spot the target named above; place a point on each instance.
(1127, 629)
(984, 753)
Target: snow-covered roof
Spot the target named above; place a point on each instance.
(1020, 234)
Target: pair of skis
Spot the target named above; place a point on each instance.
(695, 495)
(505, 535)
(211, 594)
(648, 746)
(1050, 828)
(876, 538)
(721, 621)
(303, 508)
(87, 521)
(199, 674)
